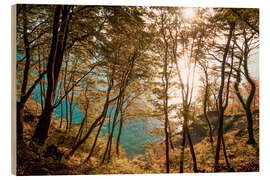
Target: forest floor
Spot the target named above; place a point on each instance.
(242, 157)
(31, 160)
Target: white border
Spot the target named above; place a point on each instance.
(5, 82)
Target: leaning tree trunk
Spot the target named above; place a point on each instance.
(123, 87)
(101, 116)
(80, 132)
(107, 152)
(80, 142)
(95, 141)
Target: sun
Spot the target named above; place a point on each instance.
(189, 13)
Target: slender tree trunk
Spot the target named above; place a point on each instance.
(61, 121)
(102, 115)
(165, 93)
(61, 104)
(109, 142)
(205, 106)
(225, 154)
(120, 131)
(71, 109)
(117, 111)
(220, 132)
(43, 87)
(95, 141)
(195, 169)
(183, 148)
(67, 115)
(109, 151)
(170, 136)
(76, 146)
(220, 98)
(40, 83)
(82, 124)
(167, 146)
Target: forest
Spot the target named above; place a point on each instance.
(135, 89)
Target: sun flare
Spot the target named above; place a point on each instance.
(189, 13)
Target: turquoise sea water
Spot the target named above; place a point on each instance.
(135, 134)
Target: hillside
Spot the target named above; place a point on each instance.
(243, 157)
(31, 159)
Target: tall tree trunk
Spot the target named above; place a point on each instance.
(205, 106)
(125, 80)
(53, 69)
(165, 94)
(220, 98)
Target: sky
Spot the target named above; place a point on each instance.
(254, 65)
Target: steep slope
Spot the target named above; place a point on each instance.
(243, 157)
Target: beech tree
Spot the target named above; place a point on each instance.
(58, 47)
(248, 45)
(223, 100)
